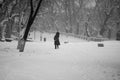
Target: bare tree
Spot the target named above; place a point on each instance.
(31, 19)
(6, 9)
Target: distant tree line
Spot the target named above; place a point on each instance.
(91, 18)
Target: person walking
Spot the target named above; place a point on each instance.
(56, 40)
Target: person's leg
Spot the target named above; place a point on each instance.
(55, 46)
(58, 46)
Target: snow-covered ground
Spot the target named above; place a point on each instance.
(76, 60)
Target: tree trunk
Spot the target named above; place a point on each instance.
(86, 30)
(7, 22)
(9, 28)
(22, 45)
(20, 37)
(3, 32)
(20, 30)
(30, 22)
(108, 15)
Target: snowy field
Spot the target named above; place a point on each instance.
(76, 60)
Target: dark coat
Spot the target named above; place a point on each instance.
(56, 39)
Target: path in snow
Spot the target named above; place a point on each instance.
(73, 61)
